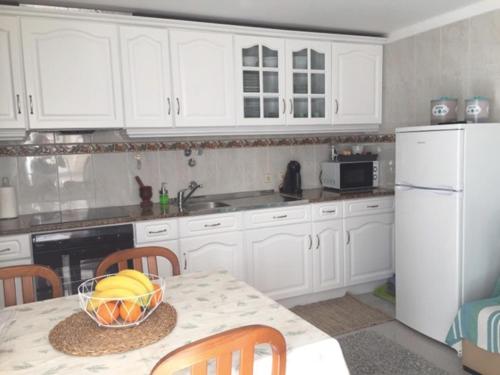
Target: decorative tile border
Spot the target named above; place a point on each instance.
(143, 146)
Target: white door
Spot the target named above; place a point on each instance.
(72, 74)
(12, 104)
(431, 159)
(146, 77)
(203, 76)
(222, 251)
(328, 259)
(279, 260)
(357, 83)
(308, 82)
(164, 265)
(427, 259)
(369, 248)
(260, 80)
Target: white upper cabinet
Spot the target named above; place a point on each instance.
(260, 80)
(357, 83)
(308, 82)
(72, 74)
(203, 77)
(146, 77)
(12, 105)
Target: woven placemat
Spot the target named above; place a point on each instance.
(79, 335)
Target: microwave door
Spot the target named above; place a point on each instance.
(356, 175)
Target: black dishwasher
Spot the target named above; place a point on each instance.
(75, 254)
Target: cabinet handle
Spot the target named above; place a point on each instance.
(291, 106)
(329, 211)
(284, 105)
(372, 206)
(31, 104)
(348, 233)
(5, 250)
(317, 246)
(185, 262)
(169, 106)
(280, 217)
(157, 231)
(18, 101)
(178, 106)
(310, 242)
(336, 106)
(212, 225)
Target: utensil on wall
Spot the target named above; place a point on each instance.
(8, 200)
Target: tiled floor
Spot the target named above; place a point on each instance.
(438, 354)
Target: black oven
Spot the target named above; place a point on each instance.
(74, 255)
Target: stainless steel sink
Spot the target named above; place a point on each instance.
(202, 206)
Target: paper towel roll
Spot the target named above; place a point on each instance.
(8, 202)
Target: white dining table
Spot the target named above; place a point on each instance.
(206, 303)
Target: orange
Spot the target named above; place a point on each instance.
(157, 296)
(130, 311)
(108, 312)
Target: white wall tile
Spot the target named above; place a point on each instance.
(148, 169)
(76, 181)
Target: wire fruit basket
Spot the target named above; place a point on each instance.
(120, 312)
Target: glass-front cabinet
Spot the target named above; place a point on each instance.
(308, 82)
(260, 77)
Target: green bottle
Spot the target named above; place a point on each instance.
(164, 199)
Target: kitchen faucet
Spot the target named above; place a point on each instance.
(181, 199)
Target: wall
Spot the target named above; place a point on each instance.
(459, 60)
(60, 182)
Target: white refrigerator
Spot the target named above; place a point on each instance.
(447, 221)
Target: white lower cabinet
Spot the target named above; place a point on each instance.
(328, 259)
(214, 252)
(369, 248)
(279, 260)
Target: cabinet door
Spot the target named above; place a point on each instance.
(72, 74)
(369, 248)
(12, 108)
(279, 260)
(146, 77)
(328, 259)
(223, 251)
(260, 80)
(357, 83)
(308, 81)
(203, 76)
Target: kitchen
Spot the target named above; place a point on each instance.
(142, 104)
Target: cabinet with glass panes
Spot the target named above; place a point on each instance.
(308, 78)
(260, 77)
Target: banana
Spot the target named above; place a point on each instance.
(121, 282)
(98, 298)
(139, 276)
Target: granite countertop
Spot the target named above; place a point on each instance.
(71, 219)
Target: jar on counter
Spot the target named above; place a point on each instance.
(477, 109)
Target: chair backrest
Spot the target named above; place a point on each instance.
(221, 347)
(136, 254)
(27, 272)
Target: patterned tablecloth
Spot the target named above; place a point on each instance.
(206, 303)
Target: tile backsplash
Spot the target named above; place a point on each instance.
(85, 180)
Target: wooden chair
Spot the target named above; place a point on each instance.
(136, 254)
(9, 274)
(221, 347)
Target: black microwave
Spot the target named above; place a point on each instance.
(352, 175)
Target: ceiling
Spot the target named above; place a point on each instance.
(368, 17)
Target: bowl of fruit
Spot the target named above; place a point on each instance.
(123, 299)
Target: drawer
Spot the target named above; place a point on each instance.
(277, 216)
(157, 230)
(327, 211)
(361, 207)
(207, 224)
(15, 247)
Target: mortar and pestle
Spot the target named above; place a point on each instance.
(145, 192)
